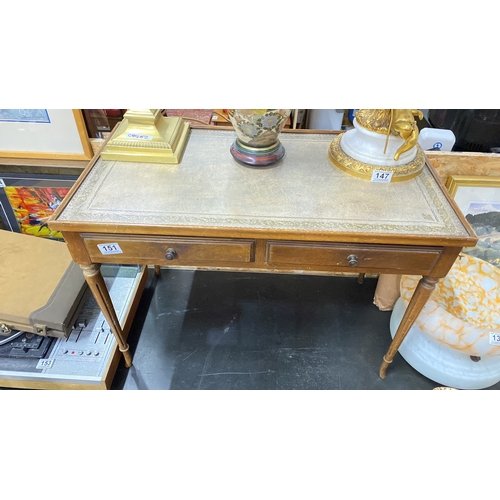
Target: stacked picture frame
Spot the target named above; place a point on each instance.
(44, 134)
(478, 197)
(28, 200)
(39, 139)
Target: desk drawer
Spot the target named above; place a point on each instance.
(165, 250)
(364, 257)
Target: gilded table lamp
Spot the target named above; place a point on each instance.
(383, 144)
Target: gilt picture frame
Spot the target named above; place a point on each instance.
(478, 197)
(48, 134)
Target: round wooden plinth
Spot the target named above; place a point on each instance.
(257, 157)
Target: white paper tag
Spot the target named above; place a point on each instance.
(494, 338)
(44, 363)
(2, 183)
(215, 118)
(381, 176)
(109, 248)
(141, 137)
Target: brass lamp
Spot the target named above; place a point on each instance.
(145, 135)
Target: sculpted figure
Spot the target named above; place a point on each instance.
(399, 122)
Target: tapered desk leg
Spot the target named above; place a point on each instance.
(98, 288)
(157, 271)
(423, 291)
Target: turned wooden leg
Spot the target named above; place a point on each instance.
(361, 278)
(157, 271)
(423, 291)
(93, 276)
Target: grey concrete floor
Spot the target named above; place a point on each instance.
(237, 331)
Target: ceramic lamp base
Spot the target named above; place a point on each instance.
(257, 157)
(441, 363)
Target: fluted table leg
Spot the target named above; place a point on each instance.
(423, 291)
(98, 288)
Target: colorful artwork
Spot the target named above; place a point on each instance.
(32, 207)
(24, 115)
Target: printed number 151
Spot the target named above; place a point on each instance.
(109, 248)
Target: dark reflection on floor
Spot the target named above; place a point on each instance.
(220, 330)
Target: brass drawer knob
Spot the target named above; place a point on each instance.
(170, 255)
(352, 260)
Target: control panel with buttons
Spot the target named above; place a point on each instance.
(84, 356)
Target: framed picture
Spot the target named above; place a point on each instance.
(28, 200)
(478, 197)
(54, 134)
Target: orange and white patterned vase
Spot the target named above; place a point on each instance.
(257, 131)
(455, 340)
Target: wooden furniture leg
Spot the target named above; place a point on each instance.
(157, 271)
(423, 291)
(93, 276)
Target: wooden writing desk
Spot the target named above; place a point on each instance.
(303, 215)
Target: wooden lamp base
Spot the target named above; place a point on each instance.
(257, 157)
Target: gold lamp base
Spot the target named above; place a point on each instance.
(365, 170)
(146, 136)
